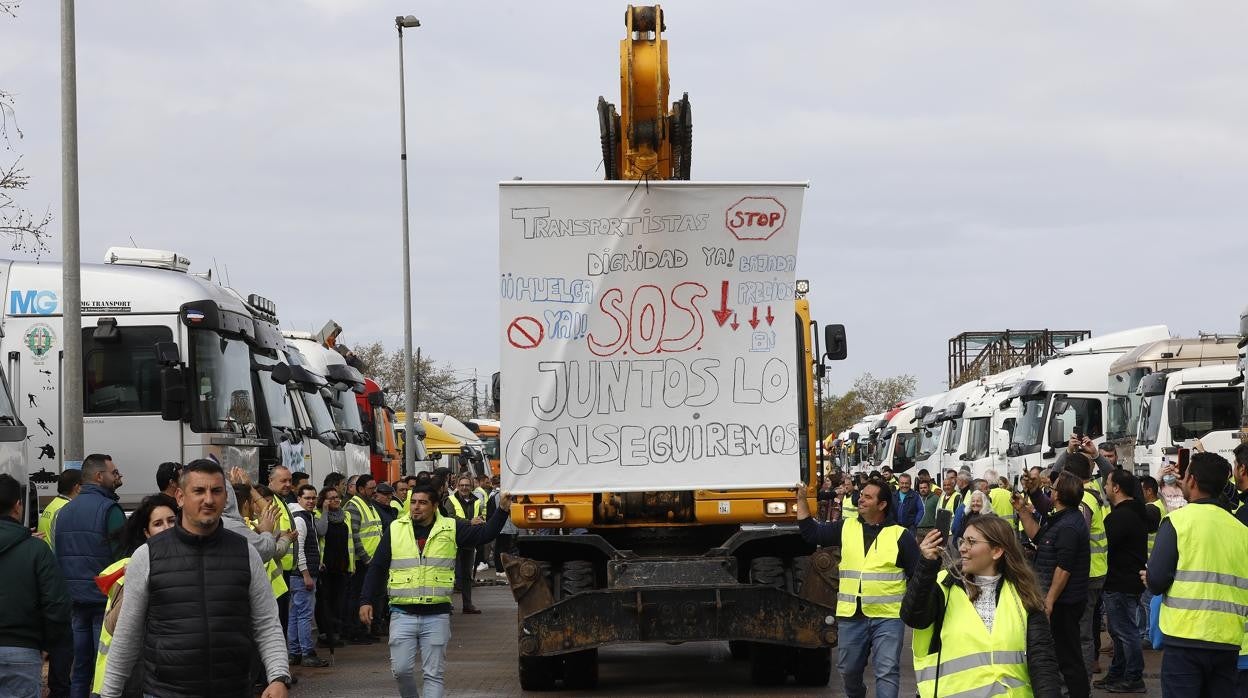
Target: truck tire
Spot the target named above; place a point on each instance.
(768, 571)
(580, 670)
(739, 649)
(577, 577)
(537, 673)
(768, 664)
(812, 667)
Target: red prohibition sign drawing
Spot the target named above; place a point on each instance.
(525, 332)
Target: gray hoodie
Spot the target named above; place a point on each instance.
(269, 545)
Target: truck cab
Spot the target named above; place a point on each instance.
(1179, 407)
(989, 425)
(166, 366)
(344, 383)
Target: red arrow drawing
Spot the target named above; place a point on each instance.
(754, 320)
(770, 318)
(734, 324)
(721, 315)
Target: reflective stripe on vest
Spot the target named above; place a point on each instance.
(48, 518)
(870, 575)
(1002, 504)
(459, 508)
(276, 581)
(973, 662)
(1161, 507)
(849, 510)
(285, 524)
(1097, 541)
(370, 526)
(418, 577)
(106, 636)
(1209, 597)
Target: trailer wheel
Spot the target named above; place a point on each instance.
(768, 664)
(537, 673)
(580, 670)
(812, 667)
(739, 649)
(768, 571)
(577, 577)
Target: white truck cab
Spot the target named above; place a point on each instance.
(166, 366)
(1179, 407)
(1067, 393)
(989, 425)
(344, 383)
(899, 442)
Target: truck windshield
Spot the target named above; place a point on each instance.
(347, 416)
(1029, 429)
(318, 412)
(222, 385)
(979, 433)
(276, 396)
(1203, 411)
(1124, 403)
(489, 444)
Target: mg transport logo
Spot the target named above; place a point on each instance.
(32, 302)
(39, 339)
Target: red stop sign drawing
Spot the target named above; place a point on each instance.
(755, 218)
(525, 332)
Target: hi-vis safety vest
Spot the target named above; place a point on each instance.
(1097, 541)
(1002, 504)
(106, 628)
(1209, 597)
(849, 510)
(950, 502)
(276, 581)
(422, 577)
(1161, 506)
(459, 508)
(48, 518)
(870, 575)
(284, 524)
(971, 660)
(370, 526)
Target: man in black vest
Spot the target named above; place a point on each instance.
(196, 595)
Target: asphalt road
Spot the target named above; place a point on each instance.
(482, 662)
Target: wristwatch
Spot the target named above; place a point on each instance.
(284, 679)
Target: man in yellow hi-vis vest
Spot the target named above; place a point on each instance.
(415, 560)
(877, 555)
(366, 530)
(464, 504)
(1200, 564)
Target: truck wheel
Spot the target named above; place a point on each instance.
(768, 664)
(577, 577)
(768, 571)
(739, 649)
(798, 573)
(580, 670)
(537, 673)
(812, 667)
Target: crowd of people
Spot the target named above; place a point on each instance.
(218, 585)
(1009, 592)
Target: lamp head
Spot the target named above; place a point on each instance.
(408, 22)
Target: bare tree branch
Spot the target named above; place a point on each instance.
(26, 231)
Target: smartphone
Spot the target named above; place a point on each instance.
(944, 520)
(1185, 457)
(1078, 433)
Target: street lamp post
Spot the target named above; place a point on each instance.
(71, 278)
(409, 393)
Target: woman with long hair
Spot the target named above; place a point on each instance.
(980, 625)
(155, 514)
(331, 593)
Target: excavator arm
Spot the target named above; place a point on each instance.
(645, 139)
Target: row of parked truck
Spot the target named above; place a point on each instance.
(176, 367)
(1142, 390)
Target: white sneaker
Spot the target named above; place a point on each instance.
(481, 567)
(500, 575)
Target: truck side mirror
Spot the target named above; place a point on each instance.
(377, 399)
(1174, 412)
(496, 391)
(1057, 433)
(172, 393)
(280, 373)
(167, 354)
(834, 342)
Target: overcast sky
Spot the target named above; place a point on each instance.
(975, 165)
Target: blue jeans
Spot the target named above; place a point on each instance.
(1122, 611)
(862, 636)
(1188, 672)
(428, 635)
(1145, 599)
(20, 671)
(86, 622)
(299, 626)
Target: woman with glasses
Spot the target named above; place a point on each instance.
(980, 626)
(331, 592)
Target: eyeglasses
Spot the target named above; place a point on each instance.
(971, 542)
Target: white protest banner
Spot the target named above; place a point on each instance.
(648, 340)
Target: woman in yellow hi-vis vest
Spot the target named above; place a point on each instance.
(155, 514)
(980, 630)
(877, 554)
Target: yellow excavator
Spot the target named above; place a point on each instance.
(674, 566)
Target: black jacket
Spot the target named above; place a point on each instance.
(198, 640)
(924, 604)
(1063, 542)
(34, 601)
(1126, 530)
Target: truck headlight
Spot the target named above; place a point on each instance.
(775, 508)
(552, 513)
